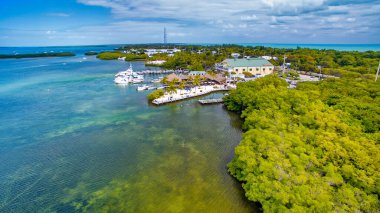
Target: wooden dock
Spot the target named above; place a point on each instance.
(211, 101)
(150, 72)
(167, 98)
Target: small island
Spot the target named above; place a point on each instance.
(36, 55)
(121, 56)
(91, 53)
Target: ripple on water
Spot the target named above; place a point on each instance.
(73, 141)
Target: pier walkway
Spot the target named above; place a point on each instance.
(185, 94)
(211, 101)
(149, 72)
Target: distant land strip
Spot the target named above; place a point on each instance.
(37, 55)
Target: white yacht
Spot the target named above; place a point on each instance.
(128, 76)
(135, 78)
(127, 72)
(121, 80)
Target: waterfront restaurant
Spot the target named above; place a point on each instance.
(194, 73)
(256, 66)
(206, 79)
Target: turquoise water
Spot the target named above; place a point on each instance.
(99, 48)
(340, 47)
(72, 141)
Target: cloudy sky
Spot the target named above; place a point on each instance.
(76, 22)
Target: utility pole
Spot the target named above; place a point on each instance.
(377, 73)
(165, 41)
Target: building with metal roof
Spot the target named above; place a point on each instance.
(194, 73)
(256, 66)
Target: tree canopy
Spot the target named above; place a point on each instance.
(202, 57)
(311, 149)
(155, 94)
(116, 55)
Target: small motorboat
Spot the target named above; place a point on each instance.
(141, 88)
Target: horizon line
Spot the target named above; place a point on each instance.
(198, 43)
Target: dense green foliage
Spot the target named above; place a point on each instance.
(116, 55)
(155, 94)
(247, 74)
(37, 55)
(190, 60)
(311, 149)
(198, 57)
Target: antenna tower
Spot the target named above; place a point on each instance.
(165, 39)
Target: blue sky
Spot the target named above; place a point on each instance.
(83, 22)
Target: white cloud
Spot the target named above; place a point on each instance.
(248, 18)
(140, 21)
(49, 32)
(243, 26)
(228, 26)
(293, 6)
(293, 3)
(333, 19)
(176, 34)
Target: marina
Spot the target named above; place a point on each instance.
(146, 87)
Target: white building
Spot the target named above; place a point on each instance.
(235, 55)
(255, 66)
(151, 52)
(266, 57)
(157, 62)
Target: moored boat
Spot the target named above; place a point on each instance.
(121, 80)
(128, 76)
(141, 88)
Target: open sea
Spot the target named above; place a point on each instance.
(98, 48)
(73, 141)
(340, 47)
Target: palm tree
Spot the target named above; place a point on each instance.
(164, 80)
(190, 79)
(175, 81)
(172, 87)
(203, 78)
(197, 81)
(181, 85)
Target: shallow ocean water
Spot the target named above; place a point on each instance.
(72, 141)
